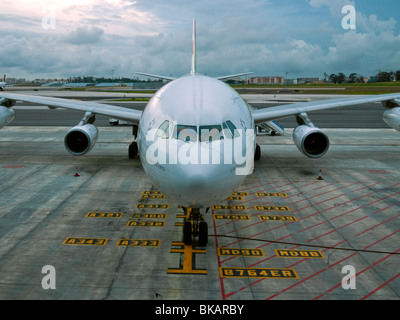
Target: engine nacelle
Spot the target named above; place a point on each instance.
(81, 139)
(311, 141)
(392, 118)
(7, 115)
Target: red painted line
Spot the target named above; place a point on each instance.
(230, 294)
(260, 280)
(325, 233)
(381, 222)
(357, 219)
(319, 212)
(369, 267)
(259, 185)
(380, 287)
(221, 280)
(368, 186)
(258, 213)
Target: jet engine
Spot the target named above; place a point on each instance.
(311, 141)
(81, 139)
(7, 115)
(392, 118)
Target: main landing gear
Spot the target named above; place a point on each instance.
(133, 150)
(133, 147)
(194, 227)
(257, 153)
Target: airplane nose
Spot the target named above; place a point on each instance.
(201, 185)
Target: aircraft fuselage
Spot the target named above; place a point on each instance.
(193, 138)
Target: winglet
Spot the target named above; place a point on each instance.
(193, 69)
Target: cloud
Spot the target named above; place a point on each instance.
(83, 35)
(94, 37)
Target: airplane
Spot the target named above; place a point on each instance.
(3, 84)
(195, 137)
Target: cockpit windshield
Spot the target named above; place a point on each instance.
(210, 133)
(186, 133)
(165, 130)
(230, 130)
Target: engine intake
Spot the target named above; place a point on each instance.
(7, 115)
(81, 139)
(392, 118)
(312, 142)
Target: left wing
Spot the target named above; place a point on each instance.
(156, 76)
(282, 111)
(233, 75)
(130, 115)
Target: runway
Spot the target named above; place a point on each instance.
(284, 235)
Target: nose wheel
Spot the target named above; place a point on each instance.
(195, 228)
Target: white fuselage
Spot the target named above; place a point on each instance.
(184, 140)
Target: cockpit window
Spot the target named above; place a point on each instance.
(230, 130)
(186, 133)
(210, 133)
(165, 130)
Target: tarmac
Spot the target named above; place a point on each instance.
(94, 227)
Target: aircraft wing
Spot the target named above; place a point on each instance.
(282, 111)
(233, 75)
(155, 76)
(121, 113)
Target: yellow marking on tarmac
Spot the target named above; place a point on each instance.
(242, 194)
(86, 241)
(188, 258)
(282, 253)
(240, 252)
(149, 215)
(277, 218)
(272, 208)
(138, 243)
(235, 198)
(273, 273)
(151, 192)
(227, 207)
(104, 215)
(135, 223)
(231, 217)
(274, 194)
(152, 196)
(151, 206)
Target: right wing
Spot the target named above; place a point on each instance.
(130, 115)
(282, 111)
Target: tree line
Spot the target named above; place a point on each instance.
(381, 76)
(91, 79)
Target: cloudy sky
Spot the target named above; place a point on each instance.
(300, 38)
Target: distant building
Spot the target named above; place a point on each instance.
(267, 80)
(307, 80)
(11, 80)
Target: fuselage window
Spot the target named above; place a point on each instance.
(210, 133)
(186, 133)
(165, 130)
(230, 130)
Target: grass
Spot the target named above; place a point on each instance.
(323, 88)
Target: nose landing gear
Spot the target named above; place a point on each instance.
(194, 227)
